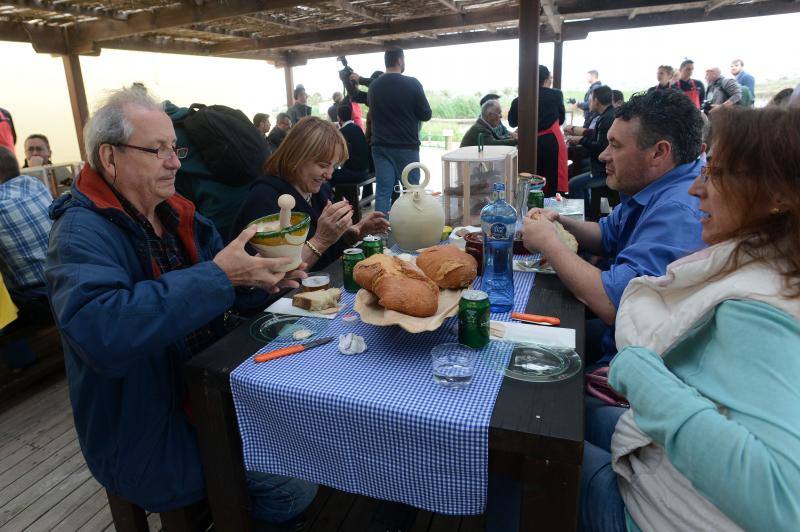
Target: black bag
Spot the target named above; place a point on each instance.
(233, 149)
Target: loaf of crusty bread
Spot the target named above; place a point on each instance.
(448, 266)
(398, 284)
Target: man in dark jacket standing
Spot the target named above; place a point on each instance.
(594, 82)
(138, 283)
(299, 109)
(397, 105)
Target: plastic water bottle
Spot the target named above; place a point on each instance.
(498, 221)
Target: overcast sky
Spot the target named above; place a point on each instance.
(35, 92)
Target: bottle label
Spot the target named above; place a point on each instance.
(498, 230)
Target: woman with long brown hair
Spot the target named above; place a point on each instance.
(302, 166)
(710, 356)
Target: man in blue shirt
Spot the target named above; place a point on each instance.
(653, 155)
(744, 79)
(24, 229)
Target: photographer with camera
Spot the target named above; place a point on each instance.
(397, 105)
(721, 92)
(351, 82)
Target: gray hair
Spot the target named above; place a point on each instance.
(487, 106)
(109, 125)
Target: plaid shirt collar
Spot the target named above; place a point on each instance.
(166, 251)
(168, 254)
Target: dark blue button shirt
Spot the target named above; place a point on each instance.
(649, 230)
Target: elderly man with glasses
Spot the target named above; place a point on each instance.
(139, 283)
(485, 128)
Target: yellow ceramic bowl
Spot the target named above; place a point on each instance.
(282, 242)
(446, 232)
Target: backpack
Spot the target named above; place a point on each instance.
(747, 99)
(233, 149)
(217, 196)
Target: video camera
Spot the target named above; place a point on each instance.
(351, 86)
(348, 85)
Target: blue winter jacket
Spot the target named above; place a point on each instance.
(122, 324)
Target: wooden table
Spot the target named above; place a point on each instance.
(535, 432)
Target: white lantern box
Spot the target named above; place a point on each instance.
(467, 177)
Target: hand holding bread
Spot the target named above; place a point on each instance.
(540, 231)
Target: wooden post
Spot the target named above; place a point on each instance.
(288, 78)
(77, 97)
(558, 59)
(528, 83)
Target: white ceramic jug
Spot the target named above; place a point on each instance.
(416, 218)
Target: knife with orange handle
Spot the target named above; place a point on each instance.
(535, 318)
(291, 350)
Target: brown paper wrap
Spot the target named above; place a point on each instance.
(371, 312)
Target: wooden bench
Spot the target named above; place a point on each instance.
(357, 192)
(367, 198)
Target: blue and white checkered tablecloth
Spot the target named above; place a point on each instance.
(375, 423)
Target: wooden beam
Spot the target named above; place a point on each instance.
(361, 11)
(69, 8)
(77, 97)
(216, 30)
(578, 30)
(409, 44)
(558, 60)
(553, 18)
(377, 29)
(570, 30)
(13, 31)
(716, 4)
(451, 5)
(528, 84)
(140, 43)
(47, 39)
(275, 20)
(288, 80)
(181, 13)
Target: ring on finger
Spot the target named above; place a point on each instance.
(339, 224)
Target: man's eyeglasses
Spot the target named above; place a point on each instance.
(161, 153)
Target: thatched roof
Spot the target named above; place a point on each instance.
(283, 31)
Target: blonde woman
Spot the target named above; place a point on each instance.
(302, 166)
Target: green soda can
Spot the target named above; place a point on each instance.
(350, 258)
(372, 245)
(473, 319)
(536, 198)
(536, 192)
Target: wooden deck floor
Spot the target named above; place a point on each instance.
(45, 484)
(44, 481)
